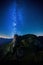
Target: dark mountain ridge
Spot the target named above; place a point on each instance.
(31, 44)
(6, 40)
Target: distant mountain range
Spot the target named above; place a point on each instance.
(4, 40)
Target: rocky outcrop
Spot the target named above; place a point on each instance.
(28, 48)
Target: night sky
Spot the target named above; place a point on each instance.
(21, 17)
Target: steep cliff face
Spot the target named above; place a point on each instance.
(28, 47)
(29, 39)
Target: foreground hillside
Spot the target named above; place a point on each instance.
(28, 51)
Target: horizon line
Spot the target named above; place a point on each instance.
(5, 36)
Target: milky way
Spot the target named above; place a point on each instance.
(21, 17)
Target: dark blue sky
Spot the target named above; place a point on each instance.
(21, 16)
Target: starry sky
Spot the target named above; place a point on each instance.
(21, 17)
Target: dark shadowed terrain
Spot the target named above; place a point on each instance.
(30, 50)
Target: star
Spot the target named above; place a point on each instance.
(14, 24)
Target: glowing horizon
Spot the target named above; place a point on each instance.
(6, 36)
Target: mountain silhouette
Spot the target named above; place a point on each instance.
(29, 48)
